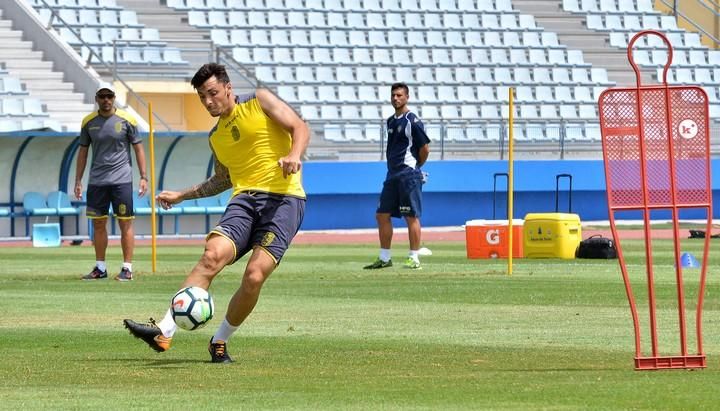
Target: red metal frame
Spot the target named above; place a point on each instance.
(656, 151)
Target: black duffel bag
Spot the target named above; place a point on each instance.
(596, 246)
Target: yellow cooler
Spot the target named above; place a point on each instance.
(551, 235)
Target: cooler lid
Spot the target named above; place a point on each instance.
(516, 221)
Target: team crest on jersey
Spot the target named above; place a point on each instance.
(399, 128)
(122, 210)
(268, 238)
(118, 127)
(235, 133)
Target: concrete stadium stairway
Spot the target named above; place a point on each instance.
(194, 43)
(573, 33)
(41, 80)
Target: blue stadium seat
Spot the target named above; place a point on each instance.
(11, 86)
(368, 112)
(60, 201)
(34, 205)
(309, 112)
(12, 107)
(333, 132)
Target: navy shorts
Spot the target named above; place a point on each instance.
(260, 219)
(401, 195)
(120, 196)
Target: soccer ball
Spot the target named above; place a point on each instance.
(192, 308)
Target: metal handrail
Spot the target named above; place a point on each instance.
(55, 15)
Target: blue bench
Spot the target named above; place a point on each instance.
(205, 206)
(61, 202)
(214, 205)
(142, 207)
(57, 205)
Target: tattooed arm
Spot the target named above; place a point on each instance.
(216, 184)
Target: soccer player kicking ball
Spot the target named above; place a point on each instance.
(257, 144)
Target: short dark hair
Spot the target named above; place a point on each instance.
(207, 71)
(400, 85)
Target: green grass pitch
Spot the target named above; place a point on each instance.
(459, 334)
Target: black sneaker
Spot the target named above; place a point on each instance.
(125, 275)
(378, 264)
(150, 333)
(95, 274)
(218, 352)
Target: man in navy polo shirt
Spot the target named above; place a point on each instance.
(401, 196)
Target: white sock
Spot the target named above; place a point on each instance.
(415, 255)
(167, 325)
(224, 331)
(385, 254)
(128, 266)
(100, 265)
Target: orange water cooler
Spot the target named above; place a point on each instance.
(489, 238)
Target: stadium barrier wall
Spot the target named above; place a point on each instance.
(341, 195)
(345, 195)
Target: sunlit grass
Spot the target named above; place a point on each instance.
(459, 334)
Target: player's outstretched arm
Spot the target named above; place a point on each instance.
(284, 115)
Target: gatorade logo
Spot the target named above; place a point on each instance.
(492, 237)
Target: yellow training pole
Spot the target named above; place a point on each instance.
(151, 191)
(510, 182)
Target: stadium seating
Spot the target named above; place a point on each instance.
(34, 205)
(332, 58)
(60, 202)
(454, 48)
(692, 61)
(103, 25)
(18, 111)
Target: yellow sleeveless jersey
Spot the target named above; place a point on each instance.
(249, 144)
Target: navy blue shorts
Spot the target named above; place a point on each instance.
(259, 219)
(401, 195)
(99, 199)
